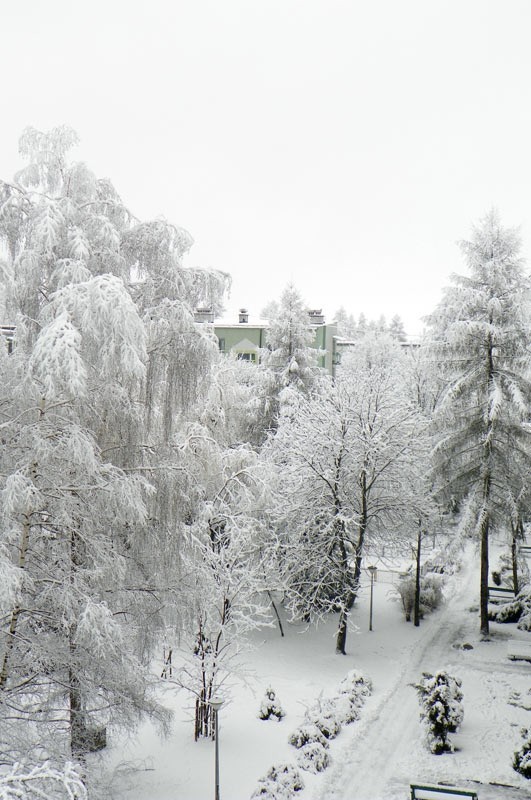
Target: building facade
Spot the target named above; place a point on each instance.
(246, 337)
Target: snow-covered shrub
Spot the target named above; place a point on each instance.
(356, 685)
(430, 594)
(506, 612)
(517, 610)
(440, 697)
(502, 573)
(524, 596)
(306, 734)
(270, 790)
(522, 757)
(313, 757)
(280, 783)
(270, 706)
(347, 708)
(325, 715)
(352, 692)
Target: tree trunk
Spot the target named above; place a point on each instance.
(275, 609)
(517, 533)
(15, 614)
(485, 521)
(484, 577)
(350, 599)
(78, 729)
(341, 639)
(416, 613)
(79, 733)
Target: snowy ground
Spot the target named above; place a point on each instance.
(375, 758)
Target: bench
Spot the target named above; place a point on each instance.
(518, 650)
(440, 793)
(497, 593)
(525, 549)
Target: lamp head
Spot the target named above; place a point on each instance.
(216, 702)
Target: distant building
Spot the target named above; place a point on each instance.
(246, 337)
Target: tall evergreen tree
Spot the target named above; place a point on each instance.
(396, 329)
(480, 339)
(289, 339)
(289, 365)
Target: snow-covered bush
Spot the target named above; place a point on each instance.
(506, 612)
(353, 689)
(524, 597)
(502, 572)
(522, 757)
(517, 610)
(441, 698)
(270, 706)
(323, 721)
(430, 594)
(307, 733)
(280, 783)
(324, 714)
(356, 685)
(313, 757)
(347, 708)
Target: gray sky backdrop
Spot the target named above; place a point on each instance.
(341, 145)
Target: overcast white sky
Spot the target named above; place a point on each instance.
(342, 145)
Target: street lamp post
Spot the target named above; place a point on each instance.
(372, 570)
(215, 703)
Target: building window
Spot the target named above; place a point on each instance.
(247, 356)
(221, 345)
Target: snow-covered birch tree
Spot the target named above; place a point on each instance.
(107, 361)
(224, 558)
(481, 334)
(345, 461)
(76, 372)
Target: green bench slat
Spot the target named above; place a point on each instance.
(419, 792)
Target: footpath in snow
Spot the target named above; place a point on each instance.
(386, 751)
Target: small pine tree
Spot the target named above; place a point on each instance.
(522, 757)
(440, 696)
(270, 706)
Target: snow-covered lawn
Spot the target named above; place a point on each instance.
(376, 757)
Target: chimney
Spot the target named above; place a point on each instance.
(243, 316)
(204, 314)
(316, 316)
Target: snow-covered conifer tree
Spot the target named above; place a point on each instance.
(289, 339)
(290, 363)
(481, 334)
(441, 698)
(396, 329)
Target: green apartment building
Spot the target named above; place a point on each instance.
(246, 336)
